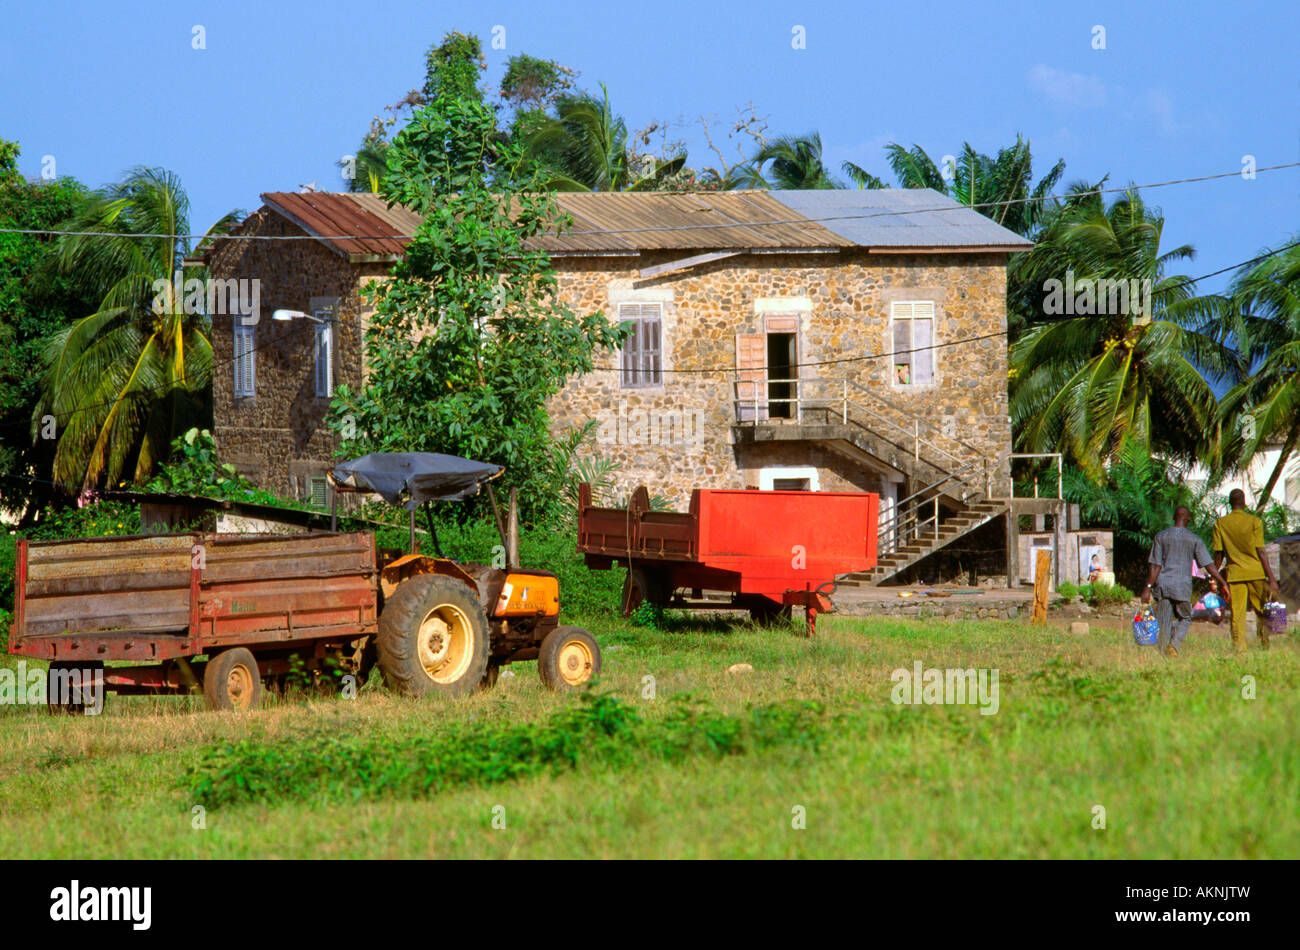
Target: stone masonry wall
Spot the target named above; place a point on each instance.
(278, 437)
(841, 302)
(671, 438)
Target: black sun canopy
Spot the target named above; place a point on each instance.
(421, 476)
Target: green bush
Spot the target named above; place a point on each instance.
(1109, 594)
(1067, 590)
(100, 520)
(599, 732)
(5, 620)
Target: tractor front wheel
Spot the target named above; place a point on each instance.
(569, 657)
(433, 638)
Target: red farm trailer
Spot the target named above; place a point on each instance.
(770, 550)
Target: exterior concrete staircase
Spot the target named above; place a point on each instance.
(951, 480)
(922, 545)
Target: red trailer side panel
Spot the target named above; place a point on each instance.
(781, 541)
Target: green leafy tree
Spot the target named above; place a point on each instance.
(585, 146)
(531, 84)
(122, 382)
(469, 339)
(1092, 384)
(35, 301)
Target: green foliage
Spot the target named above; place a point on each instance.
(452, 68)
(99, 520)
(791, 162)
(1261, 315)
(5, 620)
(530, 83)
(583, 145)
(648, 615)
(492, 341)
(599, 732)
(999, 187)
(1099, 593)
(8, 564)
(35, 301)
(1068, 590)
(194, 469)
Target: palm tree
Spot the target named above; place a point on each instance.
(1262, 313)
(368, 165)
(584, 146)
(997, 187)
(122, 382)
(1093, 384)
(793, 162)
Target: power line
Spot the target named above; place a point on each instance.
(68, 413)
(733, 369)
(666, 228)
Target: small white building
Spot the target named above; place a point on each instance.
(1252, 480)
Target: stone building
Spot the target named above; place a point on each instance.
(822, 340)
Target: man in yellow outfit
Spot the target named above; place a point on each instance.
(1239, 536)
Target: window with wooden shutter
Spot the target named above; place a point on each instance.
(913, 336)
(751, 377)
(642, 359)
(243, 359)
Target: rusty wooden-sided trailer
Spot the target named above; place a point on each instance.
(768, 550)
(161, 600)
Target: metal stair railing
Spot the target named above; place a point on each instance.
(908, 524)
(849, 410)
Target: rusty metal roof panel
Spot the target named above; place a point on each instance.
(354, 228)
(362, 226)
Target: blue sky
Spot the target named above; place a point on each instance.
(283, 89)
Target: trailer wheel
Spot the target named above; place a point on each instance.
(231, 681)
(65, 693)
(433, 638)
(644, 586)
(569, 657)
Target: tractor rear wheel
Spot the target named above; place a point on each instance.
(433, 638)
(231, 681)
(569, 658)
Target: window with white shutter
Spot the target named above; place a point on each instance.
(913, 336)
(324, 359)
(319, 493)
(243, 357)
(642, 362)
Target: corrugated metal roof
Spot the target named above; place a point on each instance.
(872, 218)
(380, 231)
(362, 227)
(638, 221)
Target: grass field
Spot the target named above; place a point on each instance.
(1182, 763)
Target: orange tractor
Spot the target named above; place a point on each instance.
(231, 612)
